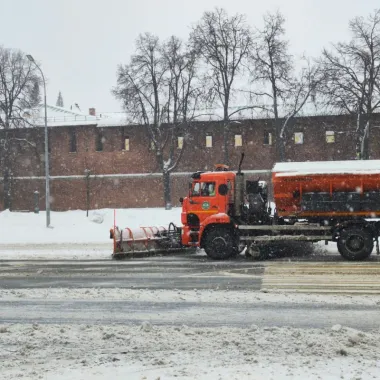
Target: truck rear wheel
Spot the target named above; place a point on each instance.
(355, 243)
(219, 243)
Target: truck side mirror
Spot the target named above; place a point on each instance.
(223, 189)
(181, 200)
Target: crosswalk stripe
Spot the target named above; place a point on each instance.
(363, 278)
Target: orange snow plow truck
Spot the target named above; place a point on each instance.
(225, 214)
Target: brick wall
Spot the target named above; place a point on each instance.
(147, 191)
(104, 192)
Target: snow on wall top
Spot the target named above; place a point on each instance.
(64, 117)
(326, 167)
(58, 117)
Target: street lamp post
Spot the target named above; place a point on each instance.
(47, 185)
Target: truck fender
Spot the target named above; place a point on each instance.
(220, 219)
(372, 227)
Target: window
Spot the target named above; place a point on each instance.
(49, 143)
(124, 140)
(99, 141)
(203, 189)
(238, 140)
(196, 189)
(126, 143)
(330, 137)
(268, 138)
(72, 140)
(209, 140)
(180, 142)
(298, 138)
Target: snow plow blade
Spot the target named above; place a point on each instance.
(146, 241)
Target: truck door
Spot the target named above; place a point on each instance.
(204, 200)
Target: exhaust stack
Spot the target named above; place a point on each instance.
(239, 188)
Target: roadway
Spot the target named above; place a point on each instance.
(321, 273)
(326, 274)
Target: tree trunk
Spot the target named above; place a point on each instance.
(7, 201)
(280, 142)
(226, 158)
(364, 155)
(363, 137)
(366, 136)
(226, 124)
(87, 192)
(165, 179)
(167, 190)
(282, 149)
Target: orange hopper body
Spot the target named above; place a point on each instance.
(327, 189)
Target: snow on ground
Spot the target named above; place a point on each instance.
(59, 251)
(185, 296)
(63, 352)
(75, 227)
(23, 235)
(149, 352)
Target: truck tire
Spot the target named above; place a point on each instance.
(355, 243)
(219, 243)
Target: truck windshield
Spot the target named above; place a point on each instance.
(203, 189)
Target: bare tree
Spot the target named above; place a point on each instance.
(224, 43)
(301, 89)
(18, 81)
(157, 90)
(352, 73)
(185, 92)
(272, 67)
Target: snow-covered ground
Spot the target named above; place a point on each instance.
(186, 296)
(24, 235)
(63, 352)
(75, 227)
(155, 352)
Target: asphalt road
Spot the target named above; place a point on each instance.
(300, 273)
(205, 314)
(168, 272)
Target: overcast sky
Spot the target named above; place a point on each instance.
(79, 43)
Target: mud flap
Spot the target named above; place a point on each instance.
(257, 252)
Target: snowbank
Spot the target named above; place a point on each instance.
(63, 352)
(186, 296)
(75, 227)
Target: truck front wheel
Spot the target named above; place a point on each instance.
(219, 243)
(355, 243)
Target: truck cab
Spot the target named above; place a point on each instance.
(208, 203)
(217, 203)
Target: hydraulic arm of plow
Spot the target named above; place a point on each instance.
(129, 241)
